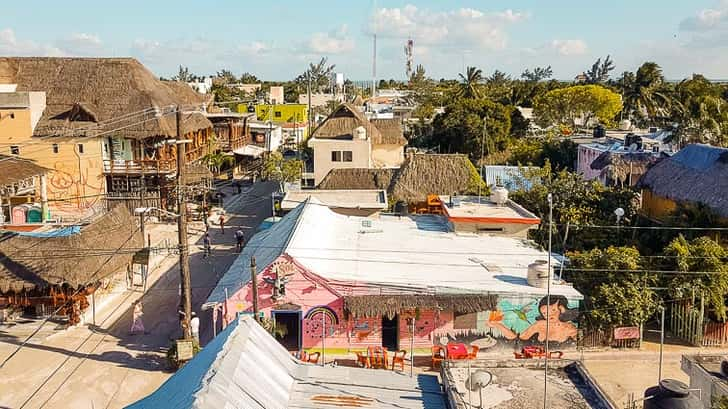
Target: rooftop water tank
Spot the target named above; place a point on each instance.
(499, 195)
(625, 125)
(538, 274)
(671, 394)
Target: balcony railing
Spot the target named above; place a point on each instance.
(139, 166)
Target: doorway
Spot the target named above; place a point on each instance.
(290, 323)
(390, 332)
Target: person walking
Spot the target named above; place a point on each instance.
(195, 327)
(207, 245)
(222, 223)
(137, 325)
(239, 239)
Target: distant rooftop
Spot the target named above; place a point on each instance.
(482, 208)
(351, 199)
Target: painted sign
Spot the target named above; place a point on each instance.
(627, 333)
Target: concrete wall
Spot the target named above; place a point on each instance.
(585, 157)
(322, 148)
(390, 156)
(77, 181)
(518, 230)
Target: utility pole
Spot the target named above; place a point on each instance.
(254, 283)
(308, 88)
(662, 341)
(184, 259)
(482, 153)
(548, 306)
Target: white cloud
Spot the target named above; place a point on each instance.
(254, 48)
(334, 42)
(461, 28)
(569, 47)
(81, 44)
(11, 45)
(707, 19)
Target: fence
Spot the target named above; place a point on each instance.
(602, 338)
(133, 200)
(686, 322)
(715, 334)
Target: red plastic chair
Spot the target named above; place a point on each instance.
(313, 358)
(473, 354)
(438, 355)
(398, 358)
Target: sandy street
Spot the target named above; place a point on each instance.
(103, 366)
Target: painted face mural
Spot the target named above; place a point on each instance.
(528, 322)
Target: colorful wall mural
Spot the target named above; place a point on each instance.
(515, 322)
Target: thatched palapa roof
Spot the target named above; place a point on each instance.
(101, 249)
(420, 174)
(389, 305)
(197, 173)
(347, 117)
(619, 165)
(14, 170)
(696, 174)
(84, 96)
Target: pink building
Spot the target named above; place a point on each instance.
(347, 282)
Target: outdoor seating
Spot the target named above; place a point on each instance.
(457, 351)
(362, 360)
(438, 355)
(473, 354)
(313, 358)
(377, 357)
(398, 359)
(533, 351)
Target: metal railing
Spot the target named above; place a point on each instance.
(139, 166)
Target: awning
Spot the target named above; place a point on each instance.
(250, 150)
(389, 305)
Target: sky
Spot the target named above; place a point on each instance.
(275, 40)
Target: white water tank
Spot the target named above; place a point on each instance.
(499, 195)
(360, 133)
(538, 274)
(625, 125)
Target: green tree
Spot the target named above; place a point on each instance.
(275, 167)
(248, 78)
(183, 75)
(705, 264)
(470, 83)
(538, 74)
(576, 105)
(616, 291)
(217, 161)
(599, 71)
(646, 96)
(460, 128)
(226, 76)
(320, 74)
(701, 112)
(418, 76)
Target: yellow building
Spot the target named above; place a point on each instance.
(293, 118)
(99, 124)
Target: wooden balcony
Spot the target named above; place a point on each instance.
(139, 167)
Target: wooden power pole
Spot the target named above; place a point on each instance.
(184, 257)
(254, 284)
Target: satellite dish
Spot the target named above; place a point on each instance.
(479, 380)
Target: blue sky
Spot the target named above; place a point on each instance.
(276, 41)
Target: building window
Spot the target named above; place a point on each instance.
(80, 148)
(347, 156)
(14, 150)
(277, 114)
(55, 148)
(336, 156)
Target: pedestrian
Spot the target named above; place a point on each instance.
(239, 239)
(195, 327)
(207, 245)
(136, 322)
(222, 223)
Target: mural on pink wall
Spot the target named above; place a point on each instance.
(515, 322)
(319, 320)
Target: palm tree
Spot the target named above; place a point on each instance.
(469, 83)
(216, 161)
(646, 98)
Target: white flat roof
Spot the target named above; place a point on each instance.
(416, 252)
(483, 207)
(350, 199)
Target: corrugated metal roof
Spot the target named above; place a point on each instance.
(245, 367)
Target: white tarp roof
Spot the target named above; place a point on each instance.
(250, 150)
(244, 367)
